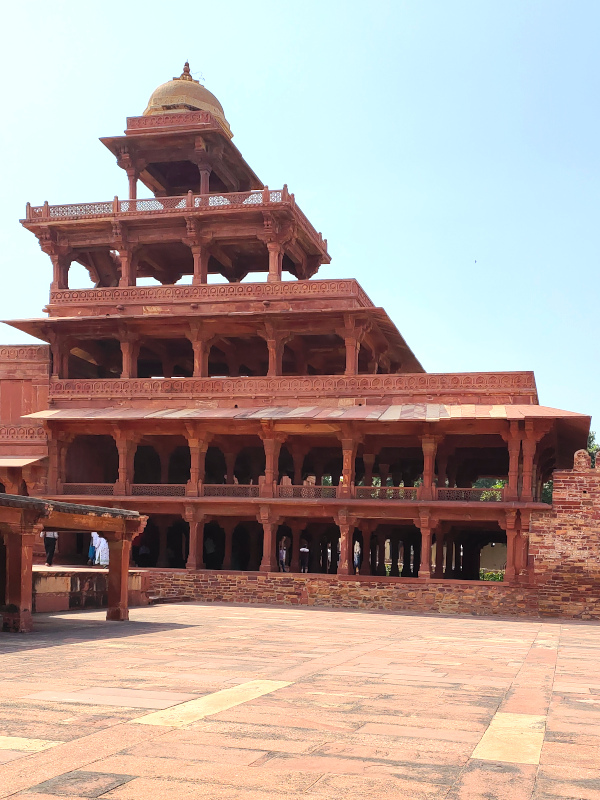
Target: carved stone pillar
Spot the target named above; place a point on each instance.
(275, 348)
(384, 472)
(394, 554)
(298, 455)
(272, 446)
(529, 444)
(349, 447)
(195, 559)
(381, 553)
(230, 459)
(19, 572)
(425, 567)
(275, 261)
(127, 272)
(201, 256)
(269, 559)
(204, 181)
(429, 445)
(513, 440)
(118, 578)
(346, 526)
(130, 348)
(132, 177)
(368, 461)
(352, 344)
(198, 448)
(228, 525)
(511, 535)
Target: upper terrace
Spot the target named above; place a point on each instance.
(165, 238)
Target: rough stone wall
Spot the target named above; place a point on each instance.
(61, 591)
(564, 544)
(335, 591)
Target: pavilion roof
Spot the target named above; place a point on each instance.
(409, 412)
(47, 506)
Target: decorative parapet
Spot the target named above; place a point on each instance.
(478, 386)
(29, 352)
(149, 296)
(22, 433)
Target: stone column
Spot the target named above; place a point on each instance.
(381, 553)
(275, 261)
(269, 560)
(230, 459)
(228, 525)
(126, 447)
(373, 554)
(296, 528)
(346, 526)
(439, 551)
(425, 567)
(349, 447)
(204, 181)
(352, 350)
(198, 448)
(529, 447)
(272, 446)
(201, 256)
(513, 440)
(127, 272)
(298, 455)
(118, 578)
(368, 461)
(195, 558)
(19, 575)
(449, 555)
(429, 445)
(394, 554)
(129, 355)
(511, 533)
(132, 177)
(384, 473)
(275, 348)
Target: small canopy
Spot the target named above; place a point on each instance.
(14, 461)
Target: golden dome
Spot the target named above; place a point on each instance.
(185, 94)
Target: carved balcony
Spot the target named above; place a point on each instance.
(475, 388)
(215, 297)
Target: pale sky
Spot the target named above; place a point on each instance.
(447, 149)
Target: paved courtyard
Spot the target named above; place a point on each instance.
(241, 703)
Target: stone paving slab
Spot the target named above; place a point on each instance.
(240, 703)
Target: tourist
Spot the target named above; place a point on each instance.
(102, 552)
(304, 554)
(356, 556)
(282, 555)
(49, 538)
(92, 549)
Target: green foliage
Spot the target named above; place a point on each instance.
(494, 575)
(547, 492)
(592, 447)
(491, 484)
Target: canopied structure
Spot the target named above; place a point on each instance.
(23, 519)
(247, 412)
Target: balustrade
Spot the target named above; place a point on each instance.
(89, 488)
(470, 495)
(229, 490)
(158, 489)
(386, 493)
(306, 492)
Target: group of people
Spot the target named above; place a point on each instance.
(97, 552)
(304, 556)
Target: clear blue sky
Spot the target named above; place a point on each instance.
(448, 150)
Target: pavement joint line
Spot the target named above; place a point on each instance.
(186, 713)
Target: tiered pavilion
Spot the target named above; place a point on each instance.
(240, 412)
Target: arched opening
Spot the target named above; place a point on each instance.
(179, 465)
(92, 459)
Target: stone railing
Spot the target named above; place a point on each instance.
(416, 387)
(470, 495)
(230, 490)
(172, 120)
(217, 293)
(158, 489)
(88, 488)
(386, 492)
(28, 352)
(309, 492)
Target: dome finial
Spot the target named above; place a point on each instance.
(186, 75)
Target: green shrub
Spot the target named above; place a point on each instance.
(494, 575)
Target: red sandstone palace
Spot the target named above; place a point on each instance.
(240, 413)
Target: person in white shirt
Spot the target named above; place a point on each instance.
(50, 538)
(102, 553)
